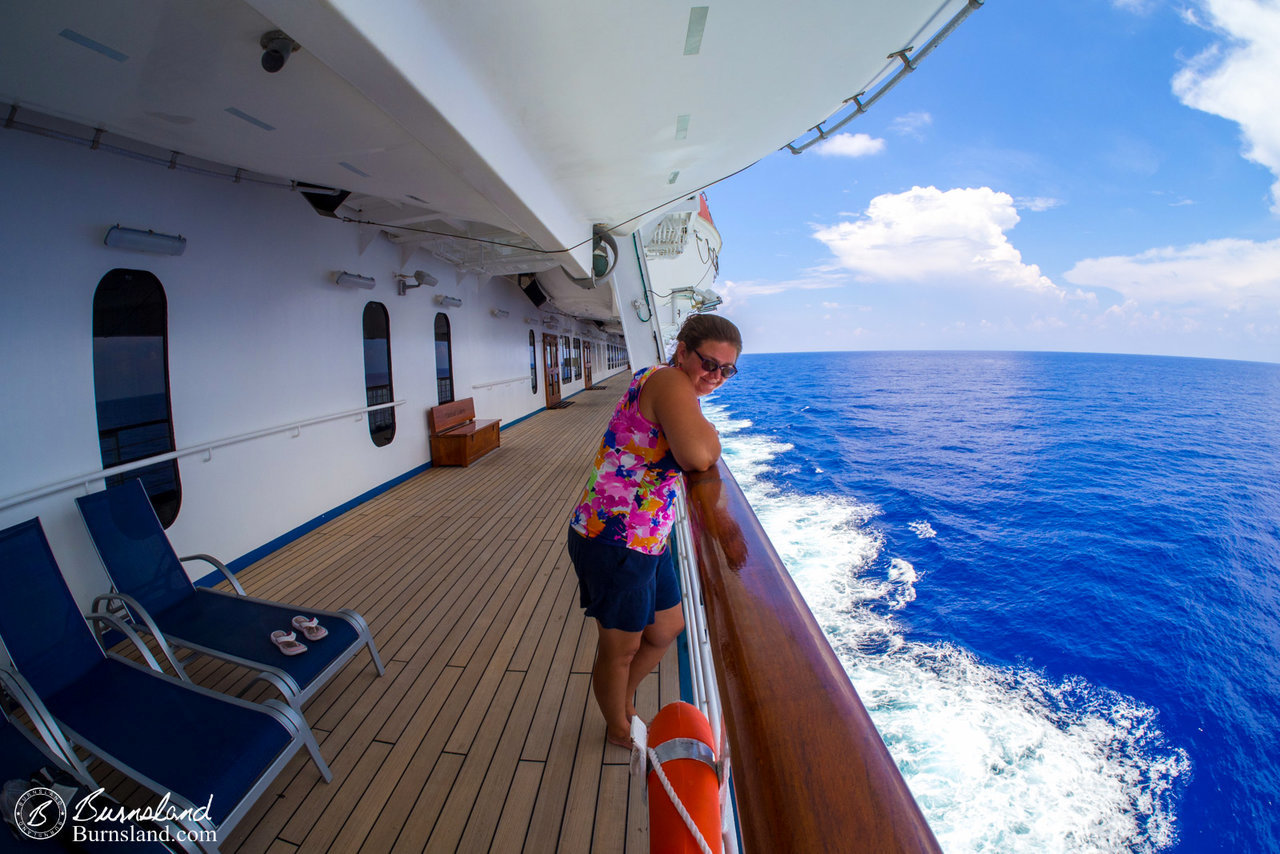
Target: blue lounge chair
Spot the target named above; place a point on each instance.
(26, 761)
(199, 746)
(150, 582)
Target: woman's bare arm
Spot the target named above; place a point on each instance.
(669, 400)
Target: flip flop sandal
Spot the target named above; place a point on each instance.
(287, 642)
(311, 629)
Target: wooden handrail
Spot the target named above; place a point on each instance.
(810, 770)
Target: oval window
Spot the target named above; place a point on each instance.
(377, 373)
(444, 360)
(533, 362)
(131, 384)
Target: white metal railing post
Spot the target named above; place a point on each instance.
(706, 692)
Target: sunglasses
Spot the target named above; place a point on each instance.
(711, 365)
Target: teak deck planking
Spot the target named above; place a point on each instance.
(483, 735)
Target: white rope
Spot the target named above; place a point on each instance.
(675, 801)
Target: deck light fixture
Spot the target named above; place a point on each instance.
(419, 278)
(499, 312)
(441, 299)
(550, 322)
(710, 300)
(136, 240)
(351, 280)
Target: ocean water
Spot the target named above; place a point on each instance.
(1054, 580)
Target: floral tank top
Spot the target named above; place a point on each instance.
(631, 494)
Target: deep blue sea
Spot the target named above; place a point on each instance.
(1053, 578)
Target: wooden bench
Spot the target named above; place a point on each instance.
(457, 438)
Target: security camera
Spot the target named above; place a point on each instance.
(276, 47)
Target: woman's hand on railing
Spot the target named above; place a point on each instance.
(725, 531)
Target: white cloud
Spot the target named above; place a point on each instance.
(1138, 7)
(738, 293)
(952, 239)
(851, 145)
(1231, 274)
(1236, 78)
(1038, 203)
(911, 124)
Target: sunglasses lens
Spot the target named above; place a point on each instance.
(711, 367)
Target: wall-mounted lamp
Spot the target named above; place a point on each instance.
(550, 322)
(351, 280)
(145, 241)
(441, 299)
(419, 278)
(705, 299)
(499, 312)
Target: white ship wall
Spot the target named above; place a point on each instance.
(258, 336)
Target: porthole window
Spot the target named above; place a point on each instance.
(131, 384)
(444, 360)
(533, 363)
(377, 373)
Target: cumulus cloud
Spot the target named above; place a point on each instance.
(851, 145)
(1235, 78)
(953, 238)
(1228, 274)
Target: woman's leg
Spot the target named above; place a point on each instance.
(615, 653)
(623, 659)
(654, 641)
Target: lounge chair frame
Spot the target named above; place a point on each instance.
(46, 756)
(118, 607)
(63, 739)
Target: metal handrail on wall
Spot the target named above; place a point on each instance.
(810, 770)
(206, 448)
(520, 379)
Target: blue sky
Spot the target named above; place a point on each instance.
(1083, 175)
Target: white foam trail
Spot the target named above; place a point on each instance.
(902, 574)
(923, 530)
(1000, 759)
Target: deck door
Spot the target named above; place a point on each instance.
(551, 361)
(587, 347)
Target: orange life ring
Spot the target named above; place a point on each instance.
(681, 737)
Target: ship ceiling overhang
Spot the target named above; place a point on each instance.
(524, 124)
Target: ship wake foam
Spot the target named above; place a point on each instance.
(999, 758)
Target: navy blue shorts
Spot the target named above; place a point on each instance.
(621, 587)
